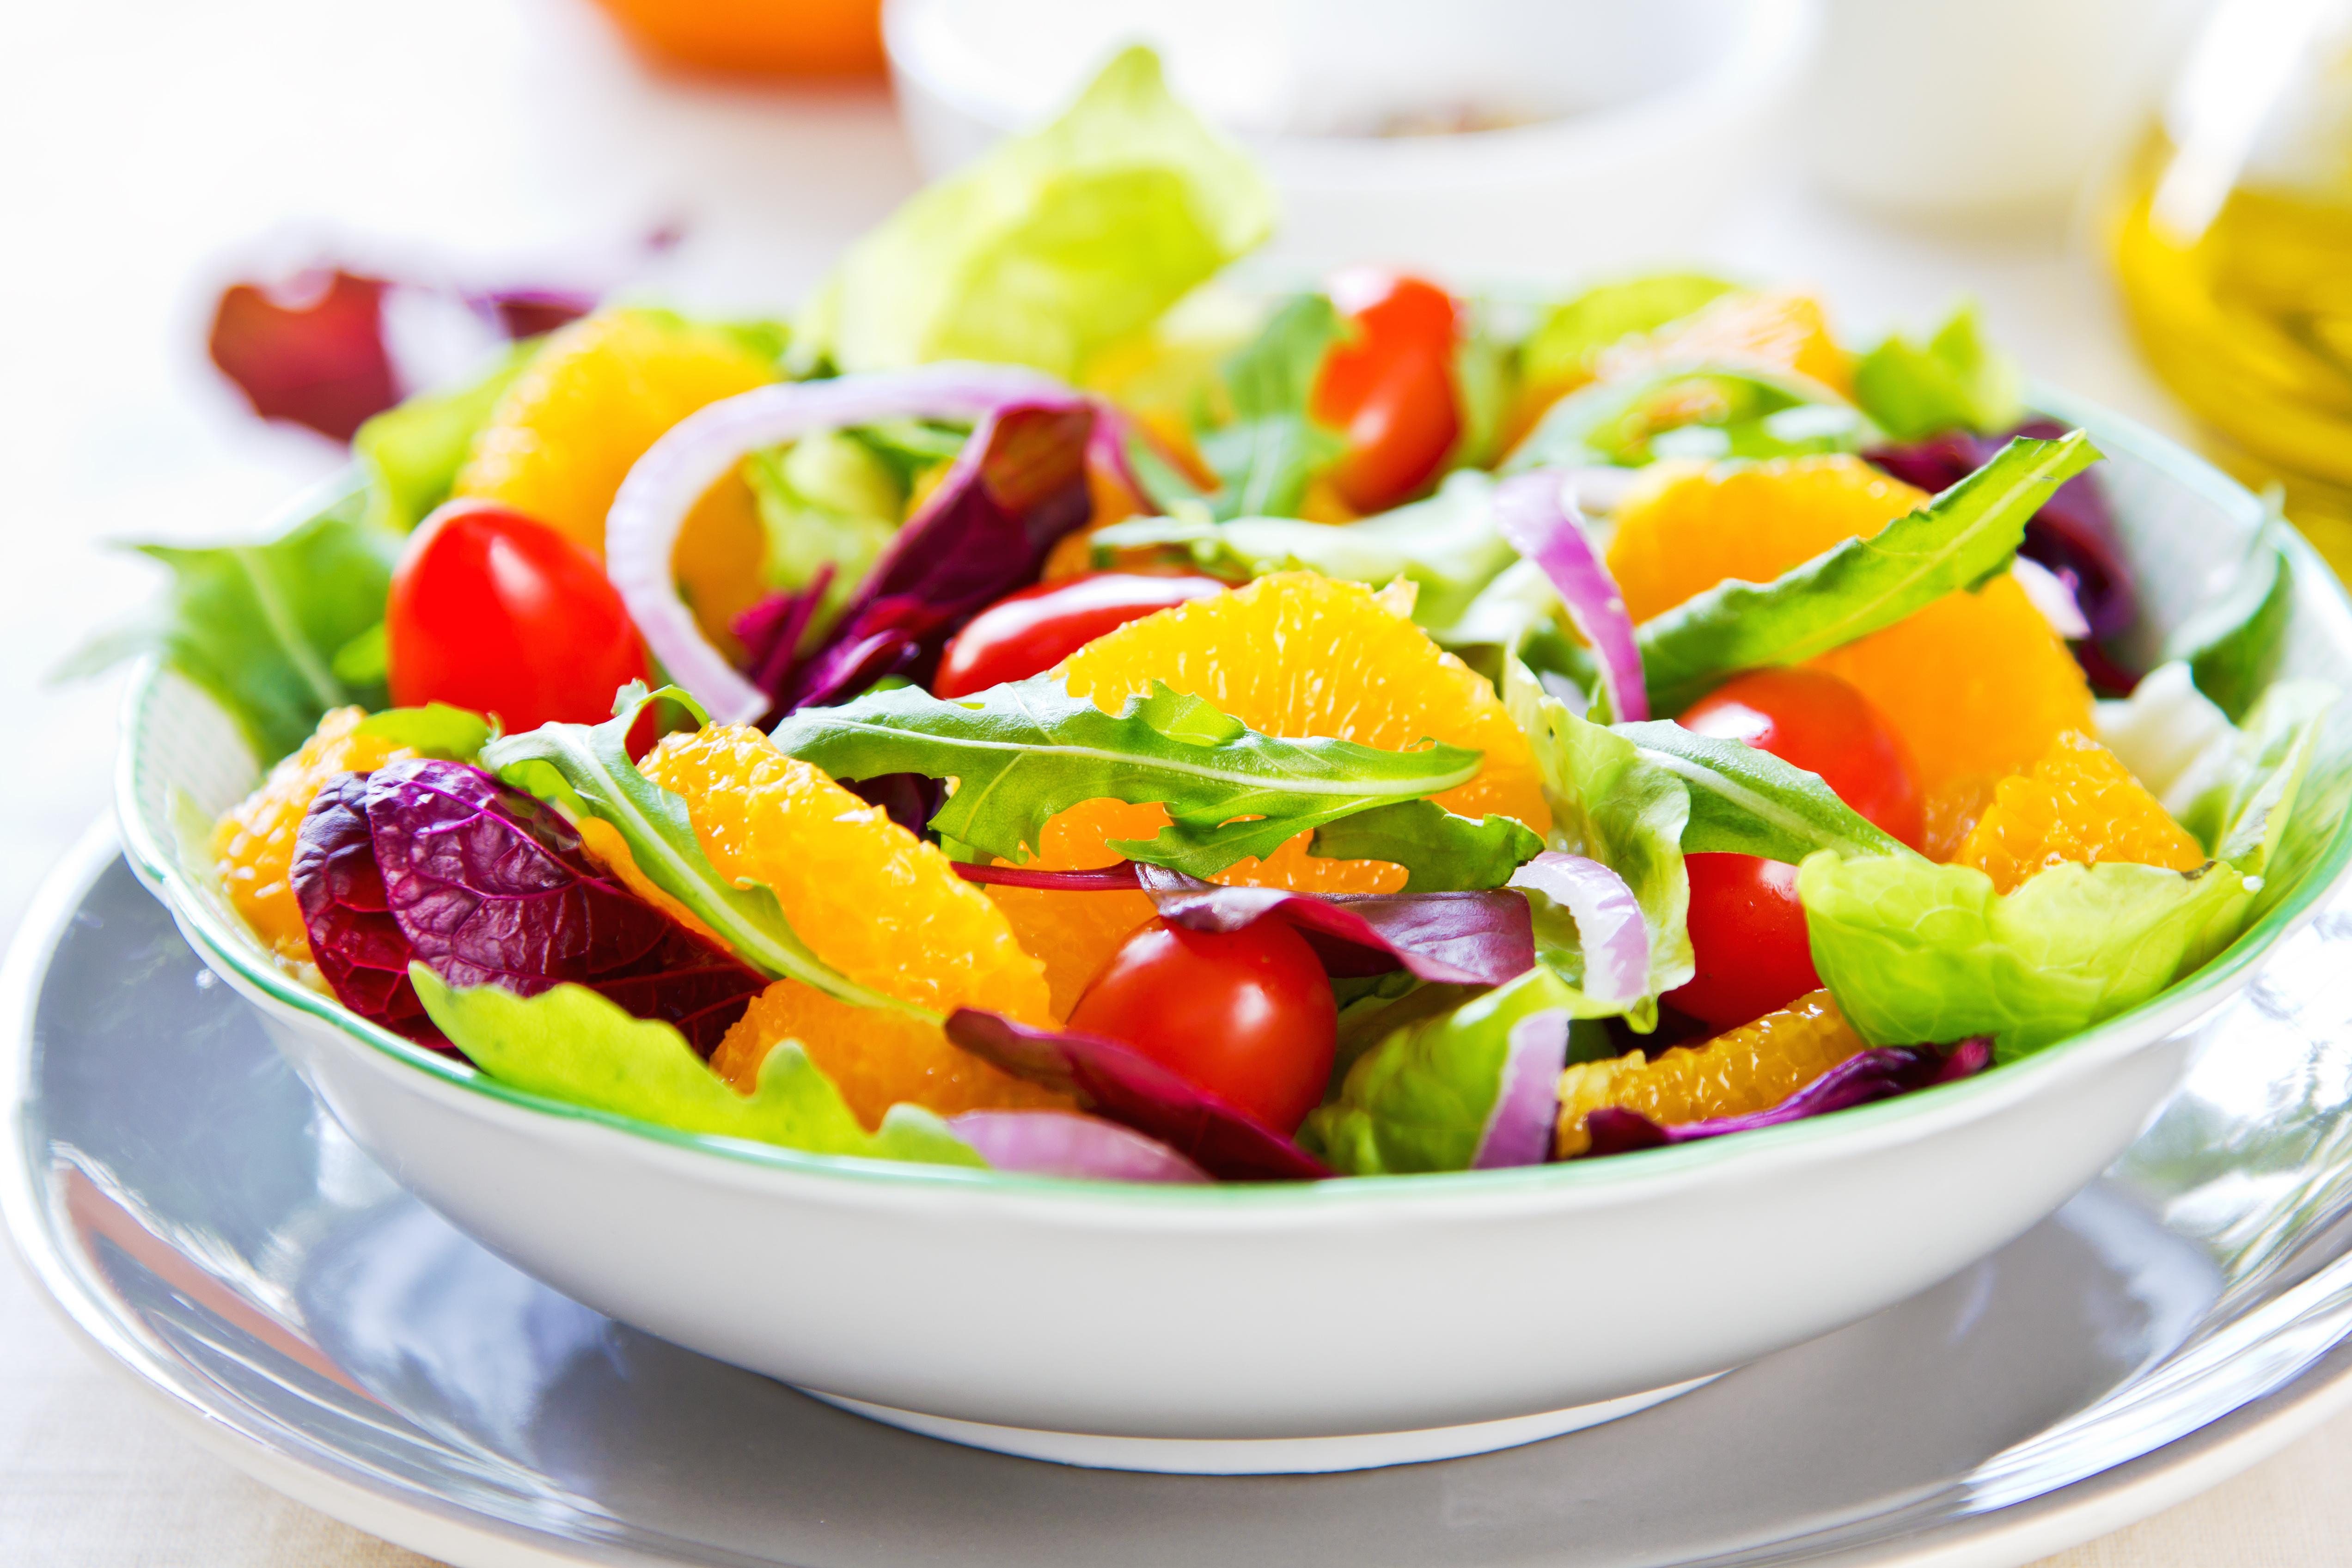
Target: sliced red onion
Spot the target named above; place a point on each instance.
(2051, 596)
(1533, 512)
(1878, 1075)
(1609, 923)
(1519, 1128)
(1116, 1081)
(1458, 938)
(1118, 878)
(1055, 1143)
(641, 531)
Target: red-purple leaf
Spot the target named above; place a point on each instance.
(311, 351)
(1055, 1143)
(1878, 1075)
(1121, 1084)
(354, 940)
(491, 887)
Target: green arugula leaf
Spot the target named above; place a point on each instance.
(571, 1044)
(1442, 853)
(1628, 420)
(1569, 342)
(2232, 642)
(437, 729)
(1957, 541)
(1957, 381)
(258, 626)
(410, 452)
(585, 770)
(1023, 751)
(1747, 801)
(1261, 444)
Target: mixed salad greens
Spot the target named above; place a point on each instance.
(1046, 708)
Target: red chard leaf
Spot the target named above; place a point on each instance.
(354, 940)
(311, 352)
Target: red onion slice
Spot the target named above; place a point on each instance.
(1055, 1143)
(1609, 923)
(1519, 1128)
(1118, 878)
(2051, 596)
(1534, 514)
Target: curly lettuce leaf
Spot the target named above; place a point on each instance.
(2232, 645)
(1923, 954)
(1257, 437)
(571, 1044)
(410, 451)
(1957, 541)
(1956, 381)
(1053, 244)
(1569, 341)
(1022, 751)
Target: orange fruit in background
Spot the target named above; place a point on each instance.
(253, 843)
(1786, 331)
(1686, 527)
(757, 38)
(2077, 804)
(1748, 1069)
(883, 906)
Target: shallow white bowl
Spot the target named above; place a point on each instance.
(1641, 120)
(1294, 1327)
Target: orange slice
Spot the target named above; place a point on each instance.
(2078, 805)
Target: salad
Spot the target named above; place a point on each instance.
(1048, 706)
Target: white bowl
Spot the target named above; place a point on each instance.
(1256, 1328)
(1640, 119)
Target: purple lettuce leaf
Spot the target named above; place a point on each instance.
(491, 887)
(1121, 1084)
(1019, 485)
(1879, 1074)
(354, 940)
(1055, 1143)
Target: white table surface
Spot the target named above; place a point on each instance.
(150, 149)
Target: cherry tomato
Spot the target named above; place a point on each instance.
(1823, 726)
(1035, 630)
(493, 612)
(1389, 388)
(1245, 1015)
(1748, 938)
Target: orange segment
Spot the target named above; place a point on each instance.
(1685, 529)
(253, 844)
(1952, 813)
(2078, 804)
(1751, 1068)
(1977, 684)
(881, 906)
(1785, 331)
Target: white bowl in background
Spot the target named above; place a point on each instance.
(1633, 123)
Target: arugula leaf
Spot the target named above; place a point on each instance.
(437, 729)
(1571, 337)
(411, 451)
(1442, 853)
(1957, 381)
(1262, 444)
(586, 771)
(258, 626)
(2231, 644)
(1050, 245)
(1022, 751)
(571, 1044)
(1750, 802)
(1446, 546)
(1923, 954)
(1957, 541)
(1626, 420)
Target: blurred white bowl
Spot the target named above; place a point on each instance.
(1617, 131)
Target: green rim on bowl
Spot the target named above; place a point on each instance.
(149, 845)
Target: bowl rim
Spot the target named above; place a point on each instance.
(156, 861)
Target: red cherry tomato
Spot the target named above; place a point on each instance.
(1747, 938)
(1246, 1014)
(493, 612)
(1389, 388)
(1823, 726)
(1035, 630)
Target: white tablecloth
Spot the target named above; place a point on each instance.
(149, 149)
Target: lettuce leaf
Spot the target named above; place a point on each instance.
(571, 1044)
(1051, 246)
(437, 729)
(2231, 644)
(1923, 954)
(2245, 783)
(828, 504)
(1422, 1098)
(410, 451)
(1956, 382)
(1570, 339)
(1704, 412)
(1957, 541)
(1261, 444)
(1750, 802)
(1022, 751)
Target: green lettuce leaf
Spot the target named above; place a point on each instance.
(1957, 381)
(437, 729)
(1442, 853)
(827, 500)
(410, 452)
(2232, 645)
(1257, 438)
(573, 1045)
(1570, 340)
(1022, 751)
(1446, 546)
(585, 771)
(1051, 244)
(259, 626)
(2242, 791)
(1485, 379)
(1420, 1099)
(1917, 952)
(1704, 412)
(1957, 540)
(1750, 802)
